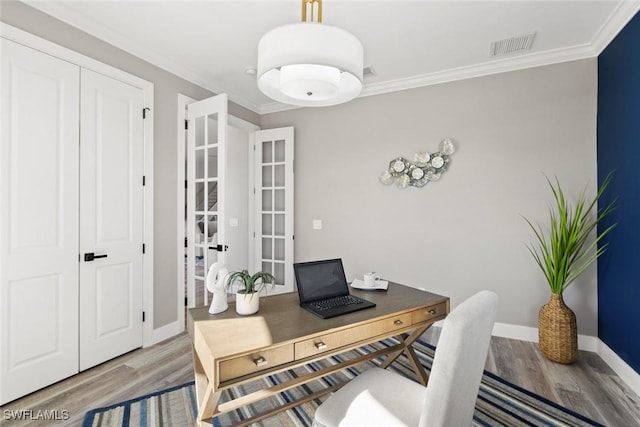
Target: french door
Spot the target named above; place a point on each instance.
(206, 202)
(218, 154)
(274, 186)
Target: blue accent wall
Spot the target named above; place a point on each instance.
(619, 151)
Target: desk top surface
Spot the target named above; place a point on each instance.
(281, 319)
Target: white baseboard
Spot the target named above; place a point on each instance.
(167, 331)
(585, 342)
(526, 333)
(624, 371)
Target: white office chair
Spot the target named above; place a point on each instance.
(379, 397)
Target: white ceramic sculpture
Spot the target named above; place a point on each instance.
(215, 284)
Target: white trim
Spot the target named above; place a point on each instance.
(168, 331)
(97, 29)
(50, 48)
(239, 123)
(585, 342)
(527, 333)
(183, 101)
(27, 39)
(611, 27)
(147, 258)
(620, 16)
(620, 367)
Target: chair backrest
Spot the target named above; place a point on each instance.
(459, 362)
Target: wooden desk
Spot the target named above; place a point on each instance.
(229, 349)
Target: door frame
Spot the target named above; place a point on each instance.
(183, 101)
(27, 39)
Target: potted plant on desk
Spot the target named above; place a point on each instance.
(248, 289)
(562, 255)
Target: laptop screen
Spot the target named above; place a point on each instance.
(320, 279)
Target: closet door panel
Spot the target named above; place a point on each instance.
(111, 226)
(38, 220)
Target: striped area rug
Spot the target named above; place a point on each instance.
(499, 403)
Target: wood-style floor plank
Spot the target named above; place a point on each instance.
(589, 386)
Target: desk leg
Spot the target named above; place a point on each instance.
(206, 398)
(407, 348)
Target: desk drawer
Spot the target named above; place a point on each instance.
(255, 362)
(336, 340)
(432, 312)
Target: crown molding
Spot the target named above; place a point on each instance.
(485, 69)
(616, 21)
(98, 30)
(619, 17)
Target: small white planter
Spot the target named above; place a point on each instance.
(247, 304)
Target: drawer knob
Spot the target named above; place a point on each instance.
(320, 345)
(260, 361)
(432, 311)
(398, 322)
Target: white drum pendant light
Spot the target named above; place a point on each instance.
(310, 64)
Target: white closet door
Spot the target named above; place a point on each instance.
(274, 205)
(111, 227)
(38, 220)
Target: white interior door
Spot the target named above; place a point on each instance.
(274, 186)
(38, 220)
(206, 194)
(111, 212)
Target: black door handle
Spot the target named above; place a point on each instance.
(90, 256)
(219, 248)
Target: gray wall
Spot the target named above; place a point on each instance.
(465, 232)
(167, 87)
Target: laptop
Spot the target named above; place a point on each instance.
(323, 290)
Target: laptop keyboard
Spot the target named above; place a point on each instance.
(329, 303)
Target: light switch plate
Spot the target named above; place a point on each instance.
(317, 224)
(233, 222)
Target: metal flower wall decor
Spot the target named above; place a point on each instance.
(424, 168)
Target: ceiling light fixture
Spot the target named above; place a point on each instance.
(309, 63)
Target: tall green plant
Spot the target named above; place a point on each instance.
(250, 284)
(566, 252)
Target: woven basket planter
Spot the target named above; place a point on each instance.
(557, 331)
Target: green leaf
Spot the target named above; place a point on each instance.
(566, 251)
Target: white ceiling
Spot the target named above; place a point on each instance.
(408, 43)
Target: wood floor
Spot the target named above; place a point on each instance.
(589, 386)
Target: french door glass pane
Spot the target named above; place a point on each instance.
(278, 249)
(267, 202)
(279, 176)
(212, 162)
(279, 151)
(279, 200)
(212, 196)
(199, 196)
(212, 129)
(279, 225)
(199, 131)
(278, 272)
(267, 176)
(266, 248)
(199, 164)
(267, 156)
(267, 266)
(267, 228)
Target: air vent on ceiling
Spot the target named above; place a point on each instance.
(368, 71)
(512, 45)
